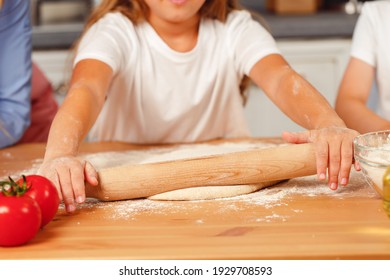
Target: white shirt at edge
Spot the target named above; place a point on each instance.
(371, 43)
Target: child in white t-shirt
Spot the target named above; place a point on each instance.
(169, 71)
(370, 59)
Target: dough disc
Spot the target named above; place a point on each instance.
(210, 192)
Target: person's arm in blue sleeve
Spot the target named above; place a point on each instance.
(15, 70)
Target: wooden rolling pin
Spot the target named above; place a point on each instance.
(238, 168)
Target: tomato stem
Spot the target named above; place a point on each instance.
(11, 188)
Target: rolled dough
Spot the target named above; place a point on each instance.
(210, 192)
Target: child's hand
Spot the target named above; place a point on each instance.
(68, 175)
(334, 152)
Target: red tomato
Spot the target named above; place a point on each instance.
(20, 219)
(45, 193)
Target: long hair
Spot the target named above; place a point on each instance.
(137, 11)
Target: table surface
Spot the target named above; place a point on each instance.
(297, 219)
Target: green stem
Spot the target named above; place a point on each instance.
(14, 188)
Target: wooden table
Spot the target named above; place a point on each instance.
(298, 219)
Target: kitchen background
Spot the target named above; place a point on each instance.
(313, 35)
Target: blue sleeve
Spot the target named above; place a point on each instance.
(15, 70)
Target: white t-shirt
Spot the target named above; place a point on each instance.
(159, 95)
(371, 43)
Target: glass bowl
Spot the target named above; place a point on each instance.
(372, 151)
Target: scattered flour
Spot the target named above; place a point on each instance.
(110, 159)
(268, 198)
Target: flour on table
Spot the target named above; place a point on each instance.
(278, 195)
(112, 159)
(269, 198)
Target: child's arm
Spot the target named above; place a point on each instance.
(306, 106)
(87, 92)
(352, 98)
